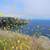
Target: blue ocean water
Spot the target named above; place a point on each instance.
(37, 26)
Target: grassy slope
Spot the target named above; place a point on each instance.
(12, 40)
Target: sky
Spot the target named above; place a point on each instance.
(30, 9)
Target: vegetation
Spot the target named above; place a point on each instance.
(17, 42)
(10, 40)
(10, 23)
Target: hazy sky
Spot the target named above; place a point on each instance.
(39, 9)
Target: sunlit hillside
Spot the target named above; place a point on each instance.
(11, 40)
(14, 40)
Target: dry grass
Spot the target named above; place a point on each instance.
(11, 40)
(41, 43)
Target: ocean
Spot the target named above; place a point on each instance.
(39, 27)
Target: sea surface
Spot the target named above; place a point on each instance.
(39, 27)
